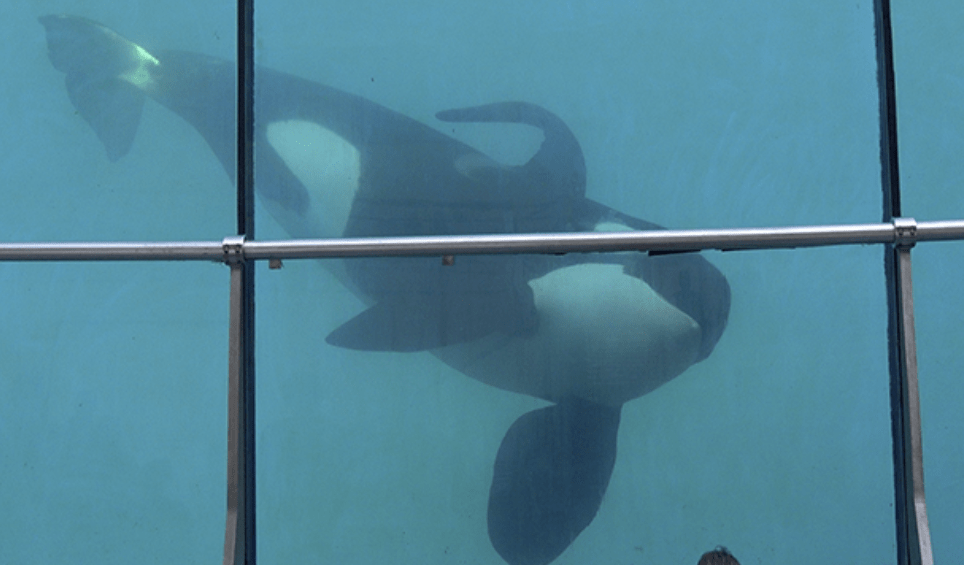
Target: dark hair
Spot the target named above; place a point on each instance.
(719, 556)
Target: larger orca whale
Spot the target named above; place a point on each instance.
(585, 332)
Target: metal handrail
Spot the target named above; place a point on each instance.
(903, 231)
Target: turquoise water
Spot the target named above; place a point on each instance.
(690, 114)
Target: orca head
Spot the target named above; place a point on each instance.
(604, 335)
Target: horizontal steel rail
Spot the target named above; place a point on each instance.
(903, 231)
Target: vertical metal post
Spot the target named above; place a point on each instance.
(914, 539)
(234, 535)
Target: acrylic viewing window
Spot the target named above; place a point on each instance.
(744, 387)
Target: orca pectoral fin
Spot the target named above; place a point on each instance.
(549, 479)
(412, 323)
(379, 328)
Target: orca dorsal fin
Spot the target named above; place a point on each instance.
(559, 160)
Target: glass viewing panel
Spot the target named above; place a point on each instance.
(112, 400)
(373, 444)
(415, 119)
(689, 116)
(777, 445)
(938, 307)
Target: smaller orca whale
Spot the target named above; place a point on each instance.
(586, 332)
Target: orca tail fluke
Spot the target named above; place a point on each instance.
(106, 77)
(550, 476)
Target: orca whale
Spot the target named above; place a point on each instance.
(586, 332)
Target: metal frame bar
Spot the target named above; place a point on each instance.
(241, 515)
(903, 231)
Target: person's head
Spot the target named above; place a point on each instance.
(719, 556)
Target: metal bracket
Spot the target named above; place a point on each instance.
(905, 232)
(233, 247)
